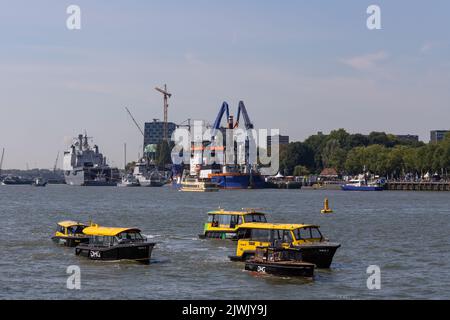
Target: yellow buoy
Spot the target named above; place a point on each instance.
(326, 207)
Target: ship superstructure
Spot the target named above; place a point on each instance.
(84, 165)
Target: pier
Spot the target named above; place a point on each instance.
(418, 186)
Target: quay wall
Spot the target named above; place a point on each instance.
(418, 186)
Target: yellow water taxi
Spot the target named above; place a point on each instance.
(107, 243)
(70, 233)
(314, 247)
(223, 224)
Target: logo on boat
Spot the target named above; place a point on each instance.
(94, 254)
(261, 269)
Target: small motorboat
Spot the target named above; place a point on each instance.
(280, 261)
(40, 182)
(70, 233)
(129, 181)
(223, 224)
(110, 244)
(362, 183)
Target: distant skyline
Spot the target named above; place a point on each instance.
(299, 66)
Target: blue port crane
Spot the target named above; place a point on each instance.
(224, 109)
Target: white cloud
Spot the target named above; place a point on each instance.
(367, 62)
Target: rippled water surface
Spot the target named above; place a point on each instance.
(405, 234)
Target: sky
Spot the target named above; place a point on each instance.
(299, 66)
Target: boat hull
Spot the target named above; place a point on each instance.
(237, 181)
(140, 252)
(346, 187)
(87, 177)
(320, 255)
(70, 241)
(296, 269)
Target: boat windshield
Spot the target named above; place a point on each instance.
(255, 218)
(308, 233)
(224, 220)
(75, 229)
(130, 236)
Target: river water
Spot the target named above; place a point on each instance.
(406, 234)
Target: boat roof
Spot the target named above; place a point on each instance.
(69, 223)
(106, 231)
(240, 213)
(277, 226)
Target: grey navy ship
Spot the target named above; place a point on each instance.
(86, 166)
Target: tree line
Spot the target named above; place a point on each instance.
(378, 153)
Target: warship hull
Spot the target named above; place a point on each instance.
(92, 177)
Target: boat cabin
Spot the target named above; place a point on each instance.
(223, 224)
(70, 233)
(69, 228)
(115, 244)
(107, 237)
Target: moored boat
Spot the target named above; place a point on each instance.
(40, 182)
(70, 233)
(110, 244)
(223, 224)
(195, 184)
(362, 185)
(129, 181)
(315, 248)
(280, 262)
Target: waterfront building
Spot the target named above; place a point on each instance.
(154, 132)
(438, 135)
(407, 137)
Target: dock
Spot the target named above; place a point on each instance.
(418, 186)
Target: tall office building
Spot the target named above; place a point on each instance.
(438, 135)
(154, 132)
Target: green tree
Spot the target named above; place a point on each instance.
(295, 153)
(301, 171)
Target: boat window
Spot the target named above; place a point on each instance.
(262, 235)
(307, 233)
(211, 218)
(132, 236)
(244, 233)
(225, 219)
(255, 218)
(316, 234)
(240, 220)
(281, 236)
(97, 240)
(60, 229)
(287, 237)
(234, 221)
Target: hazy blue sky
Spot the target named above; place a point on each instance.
(301, 66)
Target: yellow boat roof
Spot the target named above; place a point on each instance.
(106, 231)
(69, 223)
(235, 213)
(275, 226)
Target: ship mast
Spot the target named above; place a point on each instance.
(1, 161)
